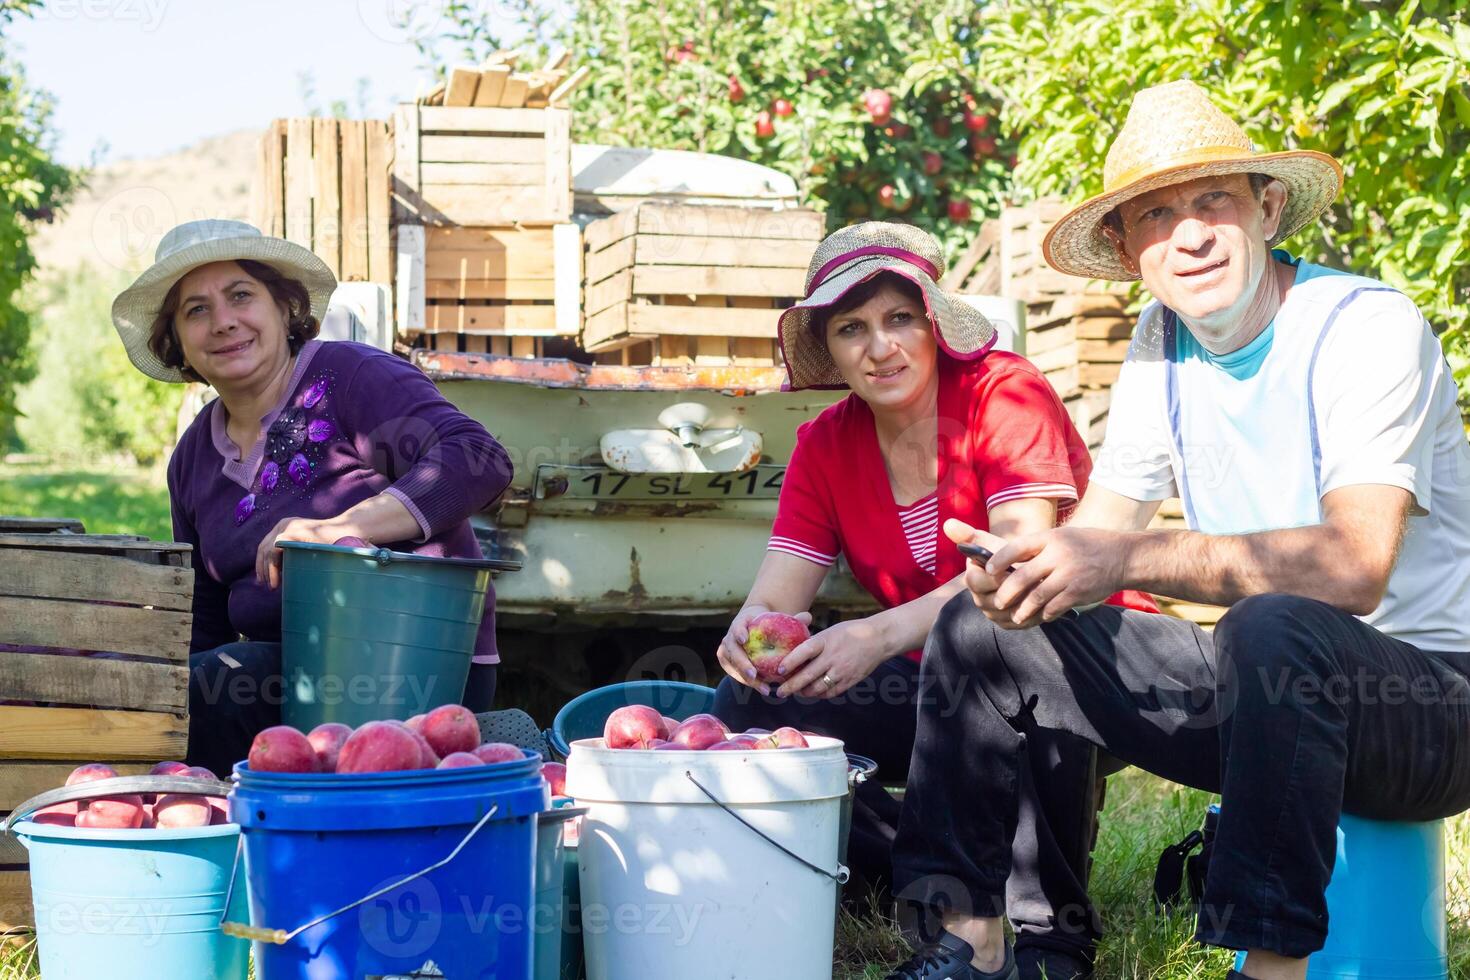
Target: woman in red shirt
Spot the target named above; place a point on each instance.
(938, 427)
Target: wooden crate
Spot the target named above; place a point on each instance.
(323, 183)
(695, 284)
(471, 166)
(68, 592)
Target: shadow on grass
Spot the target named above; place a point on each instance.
(124, 501)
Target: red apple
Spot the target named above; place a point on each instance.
(148, 822)
(887, 195)
(499, 752)
(459, 760)
(737, 91)
(959, 210)
(983, 146)
(659, 745)
(91, 771)
(764, 127)
(198, 772)
(351, 541)
(219, 810)
(879, 105)
(699, 732)
(772, 635)
(942, 126)
(633, 726)
(783, 738)
(326, 741)
(783, 108)
(933, 163)
(555, 775)
(976, 122)
(378, 746)
(112, 812)
(898, 131)
(163, 769)
(56, 815)
(744, 739)
(182, 810)
(452, 728)
(282, 748)
(669, 724)
(728, 747)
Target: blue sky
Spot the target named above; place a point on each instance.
(145, 77)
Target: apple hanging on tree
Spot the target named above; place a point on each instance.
(933, 163)
(887, 195)
(959, 210)
(783, 108)
(976, 122)
(737, 91)
(765, 128)
(879, 105)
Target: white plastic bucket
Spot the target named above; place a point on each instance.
(674, 886)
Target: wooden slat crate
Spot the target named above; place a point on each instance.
(323, 183)
(473, 166)
(63, 593)
(685, 284)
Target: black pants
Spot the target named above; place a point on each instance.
(1293, 711)
(876, 718)
(235, 691)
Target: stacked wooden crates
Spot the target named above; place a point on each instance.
(64, 598)
(323, 184)
(671, 284)
(482, 188)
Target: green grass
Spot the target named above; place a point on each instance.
(107, 499)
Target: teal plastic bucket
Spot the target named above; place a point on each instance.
(558, 945)
(369, 634)
(1385, 904)
(134, 904)
(585, 715)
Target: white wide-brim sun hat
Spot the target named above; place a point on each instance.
(191, 245)
(854, 255)
(1174, 134)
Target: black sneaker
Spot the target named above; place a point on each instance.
(949, 959)
(1040, 963)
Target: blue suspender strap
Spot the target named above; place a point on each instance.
(1171, 395)
(1312, 377)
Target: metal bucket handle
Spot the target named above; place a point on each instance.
(280, 937)
(118, 786)
(840, 876)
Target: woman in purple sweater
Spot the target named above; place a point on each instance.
(307, 441)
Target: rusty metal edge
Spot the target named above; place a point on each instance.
(561, 373)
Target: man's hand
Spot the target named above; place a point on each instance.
(1037, 578)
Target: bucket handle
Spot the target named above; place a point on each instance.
(280, 937)
(116, 786)
(840, 877)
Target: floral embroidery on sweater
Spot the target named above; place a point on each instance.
(296, 442)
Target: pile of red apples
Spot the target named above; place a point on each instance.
(641, 727)
(136, 811)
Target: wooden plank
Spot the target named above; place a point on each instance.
(799, 224)
(1055, 359)
(500, 345)
(299, 171)
(566, 254)
(675, 350)
(109, 578)
(601, 233)
(12, 851)
(410, 277)
(482, 120)
(523, 347)
(1097, 375)
(753, 351)
(73, 733)
(1102, 351)
(355, 263)
(558, 163)
(470, 289)
(460, 91)
(1064, 380)
(660, 280)
(161, 633)
(648, 320)
(499, 318)
(93, 682)
(514, 95)
(15, 900)
(488, 239)
(482, 149)
(516, 263)
(703, 250)
(712, 351)
(464, 205)
(379, 202)
(326, 209)
(492, 86)
(1103, 328)
(617, 288)
(19, 781)
(1041, 341)
(559, 60)
(570, 85)
(502, 174)
(611, 260)
(405, 177)
(10, 524)
(273, 162)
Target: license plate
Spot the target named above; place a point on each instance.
(602, 483)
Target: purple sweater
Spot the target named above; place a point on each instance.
(355, 422)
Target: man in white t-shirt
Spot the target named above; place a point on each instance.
(1308, 422)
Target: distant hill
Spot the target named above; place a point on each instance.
(116, 221)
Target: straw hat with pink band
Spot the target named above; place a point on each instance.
(854, 255)
(1174, 134)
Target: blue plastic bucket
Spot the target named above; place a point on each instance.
(558, 954)
(585, 715)
(1385, 904)
(369, 634)
(134, 904)
(316, 844)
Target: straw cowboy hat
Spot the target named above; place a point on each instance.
(854, 255)
(1173, 134)
(197, 243)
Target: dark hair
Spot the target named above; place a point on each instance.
(860, 294)
(1114, 220)
(301, 326)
